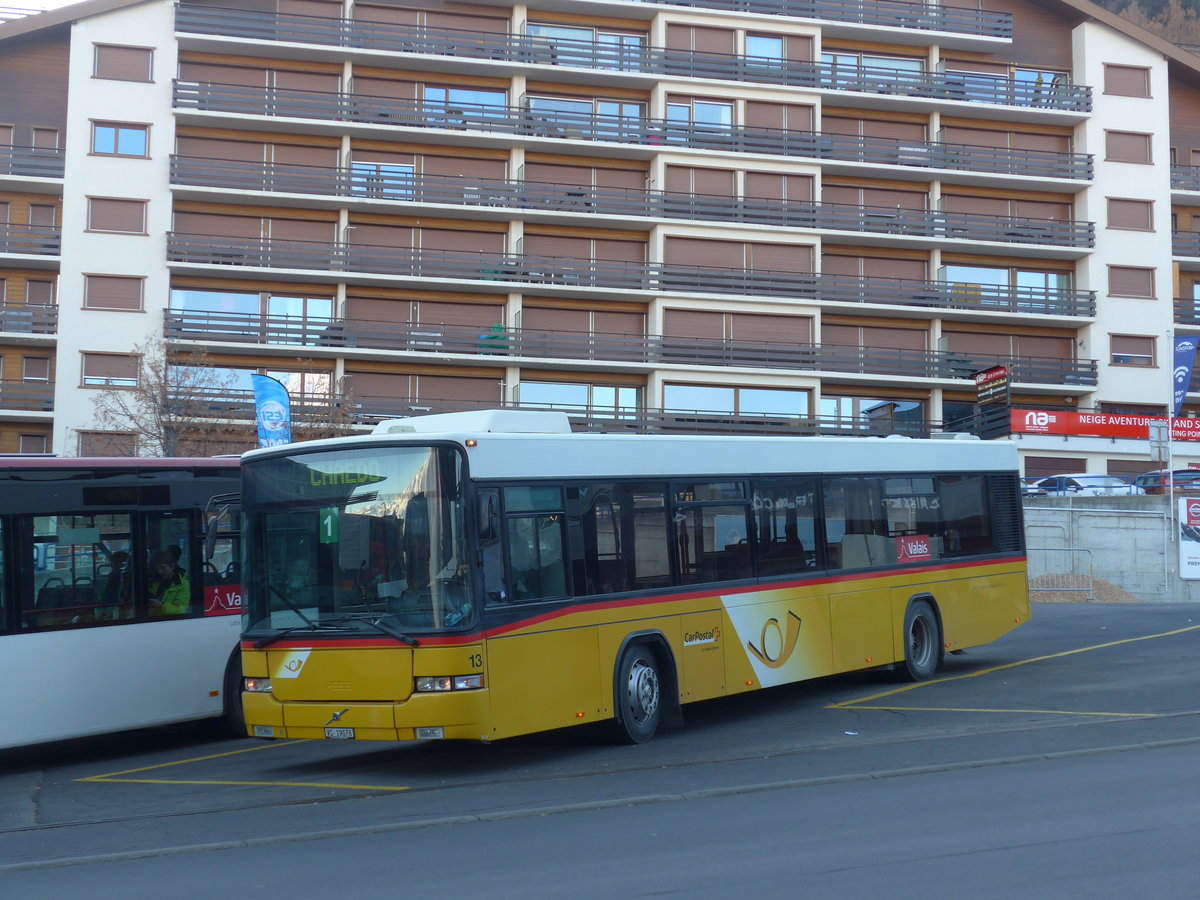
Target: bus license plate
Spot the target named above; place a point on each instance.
(340, 734)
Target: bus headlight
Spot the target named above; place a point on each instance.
(427, 684)
(256, 685)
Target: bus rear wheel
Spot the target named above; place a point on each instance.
(639, 694)
(922, 641)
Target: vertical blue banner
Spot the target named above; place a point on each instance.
(273, 411)
(1185, 359)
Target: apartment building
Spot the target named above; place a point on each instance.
(780, 216)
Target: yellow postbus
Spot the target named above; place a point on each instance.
(489, 574)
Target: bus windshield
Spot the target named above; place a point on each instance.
(367, 539)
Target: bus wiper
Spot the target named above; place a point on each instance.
(284, 632)
(374, 621)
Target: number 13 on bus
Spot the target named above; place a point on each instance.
(483, 575)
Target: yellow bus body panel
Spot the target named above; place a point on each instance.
(558, 669)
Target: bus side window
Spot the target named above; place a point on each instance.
(491, 552)
(535, 541)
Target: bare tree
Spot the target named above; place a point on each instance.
(180, 405)
(185, 405)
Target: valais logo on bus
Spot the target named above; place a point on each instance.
(223, 600)
(911, 547)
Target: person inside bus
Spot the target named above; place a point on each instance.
(114, 595)
(170, 591)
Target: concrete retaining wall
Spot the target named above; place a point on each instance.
(1132, 543)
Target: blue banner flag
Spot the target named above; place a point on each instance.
(273, 411)
(1185, 358)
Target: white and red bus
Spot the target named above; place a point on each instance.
(119, 596)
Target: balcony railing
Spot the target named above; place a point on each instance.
(920, 16)
(521, 121)
(647, 349)
(528, 195)
(22, 319)
(26, 396)
(31, 162)
(568, 272)
(1187, 311)
(534, 50)
(30, 240)
(1185, 178)
(1185, 243)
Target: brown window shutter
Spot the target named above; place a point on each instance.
(690, 323)
(123, 63)
(1133, 214)
(125, 216)
(1126, 81)
(112, 292)
(1131, 281)
(1127, 146)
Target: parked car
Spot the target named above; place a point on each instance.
(1187, 481)
(1082, 484)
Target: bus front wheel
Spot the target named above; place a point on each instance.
(639, 694)
(922, 641)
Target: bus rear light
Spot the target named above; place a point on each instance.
(257, 685)
(428, 684)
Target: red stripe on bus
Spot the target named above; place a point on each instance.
(600, 606)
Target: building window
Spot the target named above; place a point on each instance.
(33, 443)
(738, 401)
(606, 401)
(388, 180)
(876, 415)
(1131, 215)
(1126, 81)
(1131, 281)
(120, 139)
(35, 368)
(866, 71)
(1132, 350)
(39, 292)
(110, 370)
(587, 47)
(112, 292)
(123, 63)
(119, 216)
(45, 138)
(1127, 146)
(1034, 290)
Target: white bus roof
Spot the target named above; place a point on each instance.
(539, 448)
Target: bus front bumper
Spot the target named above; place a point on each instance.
(456, 715)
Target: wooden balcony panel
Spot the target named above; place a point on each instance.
(30, 240)
(31, 162)
(21, 319)
(26, 396)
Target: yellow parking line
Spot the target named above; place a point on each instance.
(116, 777)
(859, 703)
(316, 784)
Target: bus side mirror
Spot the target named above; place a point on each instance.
(210, 534)
(489, 515)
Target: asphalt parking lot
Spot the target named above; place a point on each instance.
(1077, 679)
